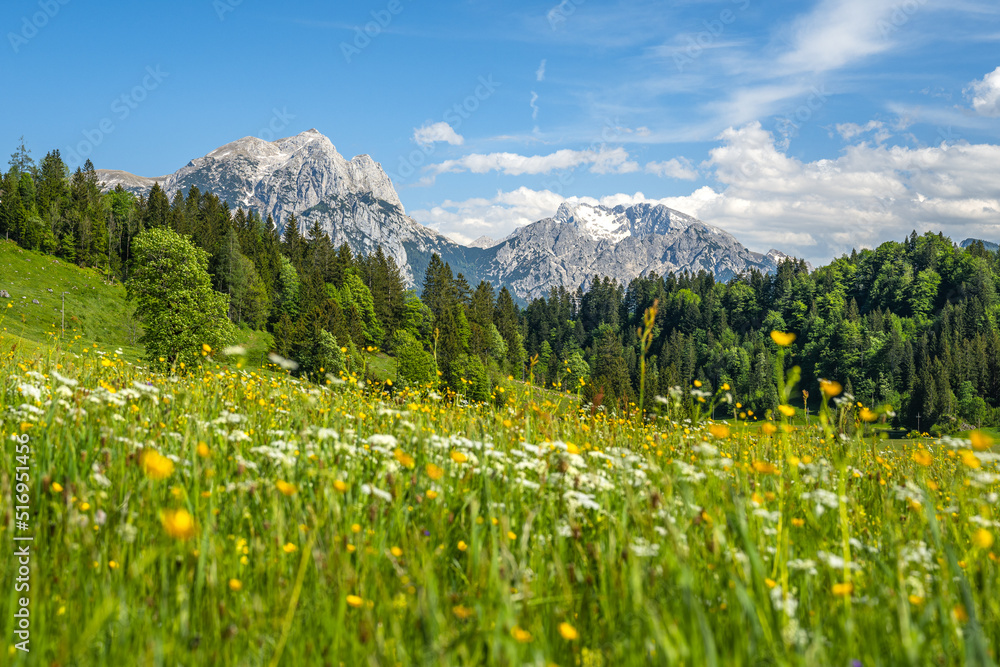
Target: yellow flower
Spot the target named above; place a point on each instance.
(520, 634)
(830, 388)
(916, 600)
(179, 524)
(971, 460)
(206, 348)
(289, 548)
(960, 614)
(770, 583)
(355, 528)
(156, 466)
(459, 457)
(203, 450)
(983, 539)
(396, 551)
(462, 612)
(462, 546)
(782, 339)
(867, 415)
(431, 494)
(235, 585)
(354, 601)
(980, 441)
(697, 383)
(113, 564)
(511, 535)
(843, 590)
(572, 449)
(719, 430)
(106, 363)
(798, 523)
(725, 386)
(286, 488)
(568, 632)
(786, 410)
(923, 457)
(768, 428)
(340, 485)
(404, 459)
(764, 468)
(57, 487)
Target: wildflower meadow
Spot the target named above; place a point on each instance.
(231, 514)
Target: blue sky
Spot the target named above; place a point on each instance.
(810, 126)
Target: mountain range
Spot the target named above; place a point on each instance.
(355, 202)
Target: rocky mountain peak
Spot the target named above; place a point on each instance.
(595, 221)
(354, 202)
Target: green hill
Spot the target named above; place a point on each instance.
(95, 308)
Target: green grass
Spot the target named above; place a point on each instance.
(614, 542)
(95, 308)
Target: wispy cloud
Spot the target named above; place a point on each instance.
(600, 161)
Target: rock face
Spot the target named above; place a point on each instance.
(353, 200)
(355, 203)
(622, 242)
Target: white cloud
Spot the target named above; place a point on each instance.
(601, 161)
(985, 94)
(540, 72)
(840, 32)
(815, 210)
(434, 132)
(534, 105)
(674, 168)
(848, 131)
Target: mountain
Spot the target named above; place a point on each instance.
(989, 245)
(623, 242)
(483, 242)
(354, 202)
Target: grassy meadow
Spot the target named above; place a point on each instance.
(235, 515)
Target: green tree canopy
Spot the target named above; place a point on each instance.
(174, 299)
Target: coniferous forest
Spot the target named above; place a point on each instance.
(912, 324)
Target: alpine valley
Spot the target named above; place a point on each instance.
(354, 202)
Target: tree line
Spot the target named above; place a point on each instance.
(912, 324)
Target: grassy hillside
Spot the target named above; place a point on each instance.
(94, 308)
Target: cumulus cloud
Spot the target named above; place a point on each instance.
(601, 161)
(985, 94)
(680, 169)
(815, 210)
(434, 132)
